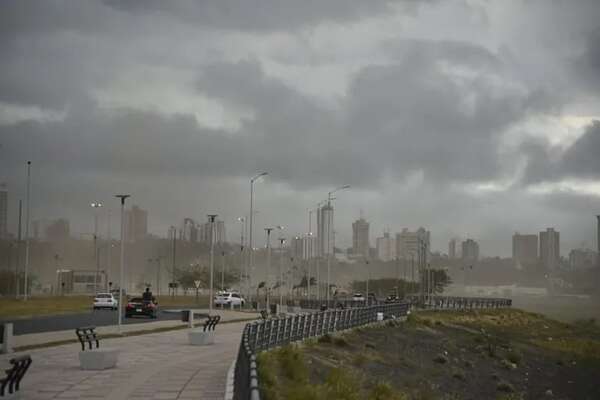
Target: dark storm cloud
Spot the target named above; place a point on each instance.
(261, 15)
(587, 65)
(579, 161)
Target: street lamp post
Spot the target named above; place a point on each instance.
(123, 197)
(222, 270)
(96, 206)
(281, 242)
(211, 218)
(27, 219)
(250, 243)
(268, 230)
(329, 229)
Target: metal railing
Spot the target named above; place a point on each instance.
(267, 334)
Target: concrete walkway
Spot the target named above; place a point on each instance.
(153, 366)
(34, 339)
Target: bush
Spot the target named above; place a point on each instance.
(340, 342)
(384, 391)
(326, 338)
(292, 364)
(342, 385)
(514, 357)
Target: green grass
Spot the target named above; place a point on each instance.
(54, 305)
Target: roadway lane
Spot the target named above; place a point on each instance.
(71, 321)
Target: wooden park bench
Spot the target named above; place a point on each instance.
(95, 358)
(14, 374)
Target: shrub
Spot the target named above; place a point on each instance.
(513, 357)
(292, 364)
(384, 391)
(340, 341)
(342, 385)
(326, 338)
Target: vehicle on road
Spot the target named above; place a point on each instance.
(105, 300)
(139, 306)
(358, 297)
(229, 299)
(392, 298)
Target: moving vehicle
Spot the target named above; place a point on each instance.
(139, 306)
(392, 298)
(358, 297)
(228, 299)
(105, 300)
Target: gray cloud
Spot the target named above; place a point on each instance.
(422, 104)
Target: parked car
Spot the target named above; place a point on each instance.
(228, 299)
(105, 300)
(358, 297)
(392, 298)
(139, 306)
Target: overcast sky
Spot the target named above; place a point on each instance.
(471, 118)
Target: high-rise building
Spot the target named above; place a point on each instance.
(3, 214)
(51, 230)
(136, 224)
(524, 249)
(582, 258)
(190, 230)
(470, 250)
(360, 238)
(219, 234)
(550, 249)
(408, 244)
(303, 247)
(386, 247)
(452, 249)
(325, 229)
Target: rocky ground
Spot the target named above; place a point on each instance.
(497, 354)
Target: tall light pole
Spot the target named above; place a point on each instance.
(109, 246)
(211, 219)
(243, 270)
(27, 219)
(329, 229)
(268, 230)
(96, 206)
(222, 270)
(281, 242)
(123, 197)
(251, 233)
(319, 248)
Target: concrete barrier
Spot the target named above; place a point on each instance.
(98, 359)
(199, 337)
(8, 343)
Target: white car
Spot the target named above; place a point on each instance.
(228, 299)
(105, 300)
(358, 297)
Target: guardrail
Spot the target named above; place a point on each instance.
(266, 334)
(458, 303)
(269, 333)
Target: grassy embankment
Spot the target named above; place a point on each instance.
(54, 305)
(495, 354)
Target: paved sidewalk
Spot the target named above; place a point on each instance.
(32, 339)
(153, 366)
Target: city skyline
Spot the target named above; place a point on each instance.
(181, 115)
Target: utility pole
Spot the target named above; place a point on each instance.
(268, 230)
(18, 266)
(174, 230)
(122, 197)
(211, 219)
(222, 270)
(281, 242)
(27, 223)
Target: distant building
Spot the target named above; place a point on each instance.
(324, 219)
(550, 249)
(408, 244)
(219, 233)
(524, 248)
(51, 230)
(452, 249)
(190, 230)
(360, 238)
(470, 250)
(303, 247)
(3, 214)
(582, 258)
(386, 247)
(136, 224)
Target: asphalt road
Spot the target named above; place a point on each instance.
(71, 321)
